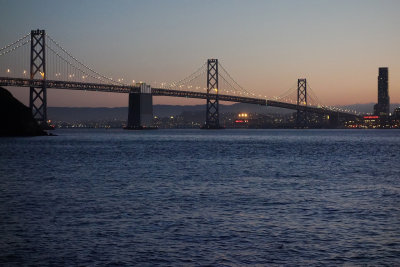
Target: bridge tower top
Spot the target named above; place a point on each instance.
(301, 118)
(38, 54)
(302, 92)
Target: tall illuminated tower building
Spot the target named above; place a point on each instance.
(383, 106)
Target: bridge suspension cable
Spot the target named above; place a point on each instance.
(196, 82)
(14, 48)
(14, 58)
(57, 60)
(94, 74)
(235, 86)
(188, 79)
(70, 64)
(317, 102)
(288, 93)
(17, 41)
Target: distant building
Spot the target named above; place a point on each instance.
(396, 113)
(382, 108)
(242, 120)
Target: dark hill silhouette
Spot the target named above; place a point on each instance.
(16, 118)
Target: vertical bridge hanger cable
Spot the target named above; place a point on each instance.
(81, 63)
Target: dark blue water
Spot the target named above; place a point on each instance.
(192, 197)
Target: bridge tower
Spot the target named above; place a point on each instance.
(301, 118)
(212, 111)
(38, 95)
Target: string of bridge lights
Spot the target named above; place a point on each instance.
(11, 47)
(82, 64)
(14, 48)
(241, 90)
(227, 73)
(173, 84)
(314, 95)
(182, 84)
(235, 91)
(236, 88)
(69, 63)
(313, 100)
(21, 42)
(13, 43)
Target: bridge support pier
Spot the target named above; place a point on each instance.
(212, 111)
(38, 95)
(140, 112)
(301, 118)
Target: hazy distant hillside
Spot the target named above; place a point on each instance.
(94, 114)
(166, 110)
(86, 114)
(121, 113)
(368, 108)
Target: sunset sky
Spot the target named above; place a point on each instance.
(266, 45)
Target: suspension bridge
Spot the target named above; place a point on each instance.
(51, 66)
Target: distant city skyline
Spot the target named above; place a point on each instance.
(266, 45)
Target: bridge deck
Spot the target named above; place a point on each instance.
(20, 82)
(311, 109)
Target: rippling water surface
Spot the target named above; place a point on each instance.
(192, 197)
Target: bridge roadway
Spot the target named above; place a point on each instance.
(312, 109)
(23, 82)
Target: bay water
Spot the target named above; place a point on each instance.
(197, 197)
